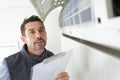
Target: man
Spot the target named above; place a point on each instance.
(18, 66)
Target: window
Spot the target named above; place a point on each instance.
(8, 48)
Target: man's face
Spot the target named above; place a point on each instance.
(35, 35)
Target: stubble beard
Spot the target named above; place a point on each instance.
(38, 47)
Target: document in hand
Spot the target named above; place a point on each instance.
(51, 67)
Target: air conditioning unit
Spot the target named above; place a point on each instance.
(96, 21)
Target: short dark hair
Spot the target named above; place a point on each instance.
(27, 20)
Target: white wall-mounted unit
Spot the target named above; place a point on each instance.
(93, 23)
(92, 20)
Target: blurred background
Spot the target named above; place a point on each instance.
(90, 27)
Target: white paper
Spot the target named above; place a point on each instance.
(51, 67)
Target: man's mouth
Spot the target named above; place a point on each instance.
(39, 42)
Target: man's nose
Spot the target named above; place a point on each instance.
(38, 35)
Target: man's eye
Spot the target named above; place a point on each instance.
(32, 32)
(41, 30)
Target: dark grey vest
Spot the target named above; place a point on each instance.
(20, 67)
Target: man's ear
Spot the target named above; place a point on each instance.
(23, 38)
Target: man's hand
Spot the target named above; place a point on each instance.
(63, 76)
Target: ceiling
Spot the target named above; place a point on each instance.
(15, 3)
(44, 7)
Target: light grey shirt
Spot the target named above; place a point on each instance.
(4, 73)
